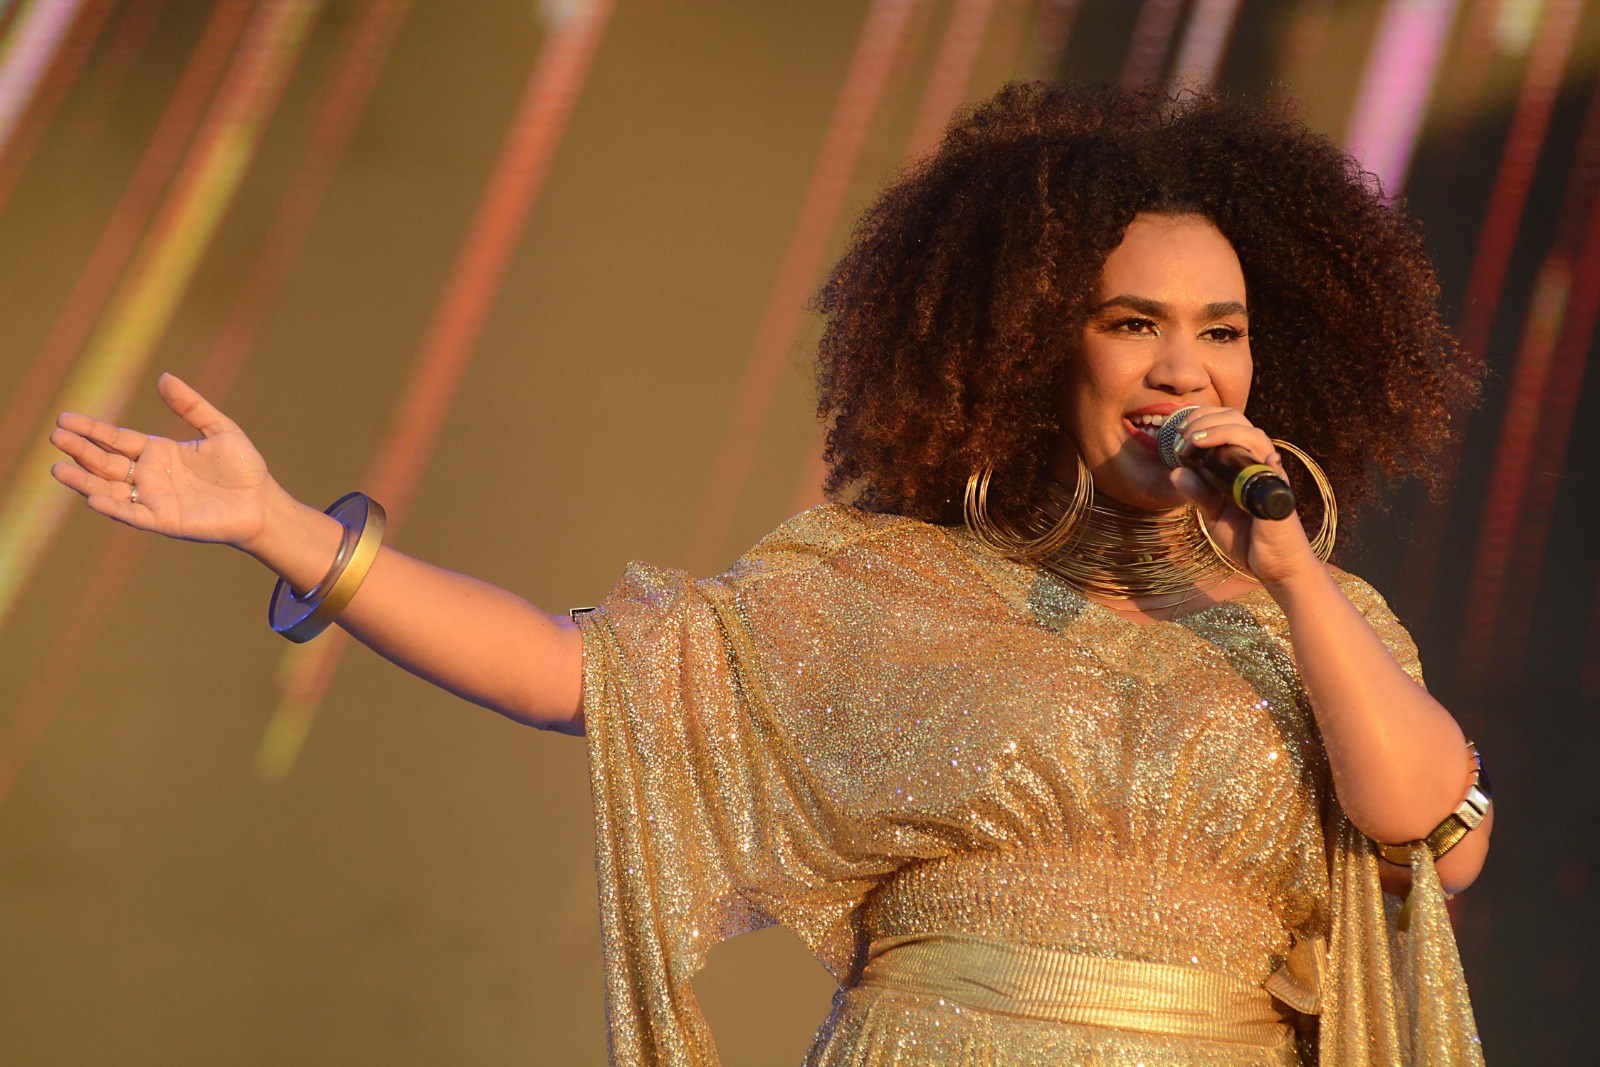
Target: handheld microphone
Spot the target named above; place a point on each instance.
(1254, 486)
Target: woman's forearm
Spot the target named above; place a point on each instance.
(474, 639)
(1398, 758)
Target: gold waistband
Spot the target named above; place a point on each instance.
(1043, 983)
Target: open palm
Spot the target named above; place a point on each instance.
(214, 488)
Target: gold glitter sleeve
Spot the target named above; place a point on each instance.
(657, 678)
(1395, 997)
(709, 821)
(1383, 622)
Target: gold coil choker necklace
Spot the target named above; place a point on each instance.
(1101, 548)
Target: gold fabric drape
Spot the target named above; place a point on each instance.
(1048, 984)
(870, 730)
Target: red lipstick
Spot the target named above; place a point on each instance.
(1147, 436)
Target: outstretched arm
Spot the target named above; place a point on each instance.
(478, 641)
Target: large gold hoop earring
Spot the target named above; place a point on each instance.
(1045, 538)
(1327, 533)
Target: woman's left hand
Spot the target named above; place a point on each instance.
(1272, 550)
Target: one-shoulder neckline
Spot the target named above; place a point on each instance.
(968, 546)
(1237, 600)
(1341, 578)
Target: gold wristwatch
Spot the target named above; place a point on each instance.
(1456, 825)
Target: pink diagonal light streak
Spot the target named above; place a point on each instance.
(1399, 80)
(448, 348)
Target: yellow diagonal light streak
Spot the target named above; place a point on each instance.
(119, 352)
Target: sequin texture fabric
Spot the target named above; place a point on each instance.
(870, 728)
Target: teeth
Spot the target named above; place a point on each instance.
(1148, 421)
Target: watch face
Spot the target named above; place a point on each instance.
(1483, 780)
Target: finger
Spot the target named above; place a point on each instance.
(123, 510)
(91, 486)
(1275, 461)
(1200, 412)
(1198, 430)
(1199, 423)
(118, 439)
(114, 500)
(1252, 440)
(112, 466)
(1210, 418)
(191, 407)
(74, 478)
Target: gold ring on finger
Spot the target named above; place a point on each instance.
(133, 494)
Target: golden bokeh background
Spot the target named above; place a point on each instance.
(534, 275)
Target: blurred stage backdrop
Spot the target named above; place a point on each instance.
(533, 274)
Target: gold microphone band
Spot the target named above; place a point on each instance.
(1242, 479)
(364, 520)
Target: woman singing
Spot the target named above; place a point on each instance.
(1051, 753)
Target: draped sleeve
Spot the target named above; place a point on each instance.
(1393, 997)
(718, 771)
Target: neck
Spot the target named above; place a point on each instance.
(1117, 552)
(1103, 548)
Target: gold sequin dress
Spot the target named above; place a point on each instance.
(1017, 828)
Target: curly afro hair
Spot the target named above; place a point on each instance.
(966, 286)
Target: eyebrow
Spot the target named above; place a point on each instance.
(1156, 309)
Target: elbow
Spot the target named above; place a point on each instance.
(1457, 869)
(560, 712)
(546, 691)
(1460, 867)
(542, 719)
(572, 726)
(1409, 809)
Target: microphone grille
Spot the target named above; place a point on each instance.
(1167, 435)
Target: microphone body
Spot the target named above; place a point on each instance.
(1252, 485)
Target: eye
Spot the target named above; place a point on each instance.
(1134, 324)
(1222, 334)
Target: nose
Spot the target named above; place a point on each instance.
(1179, 367)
